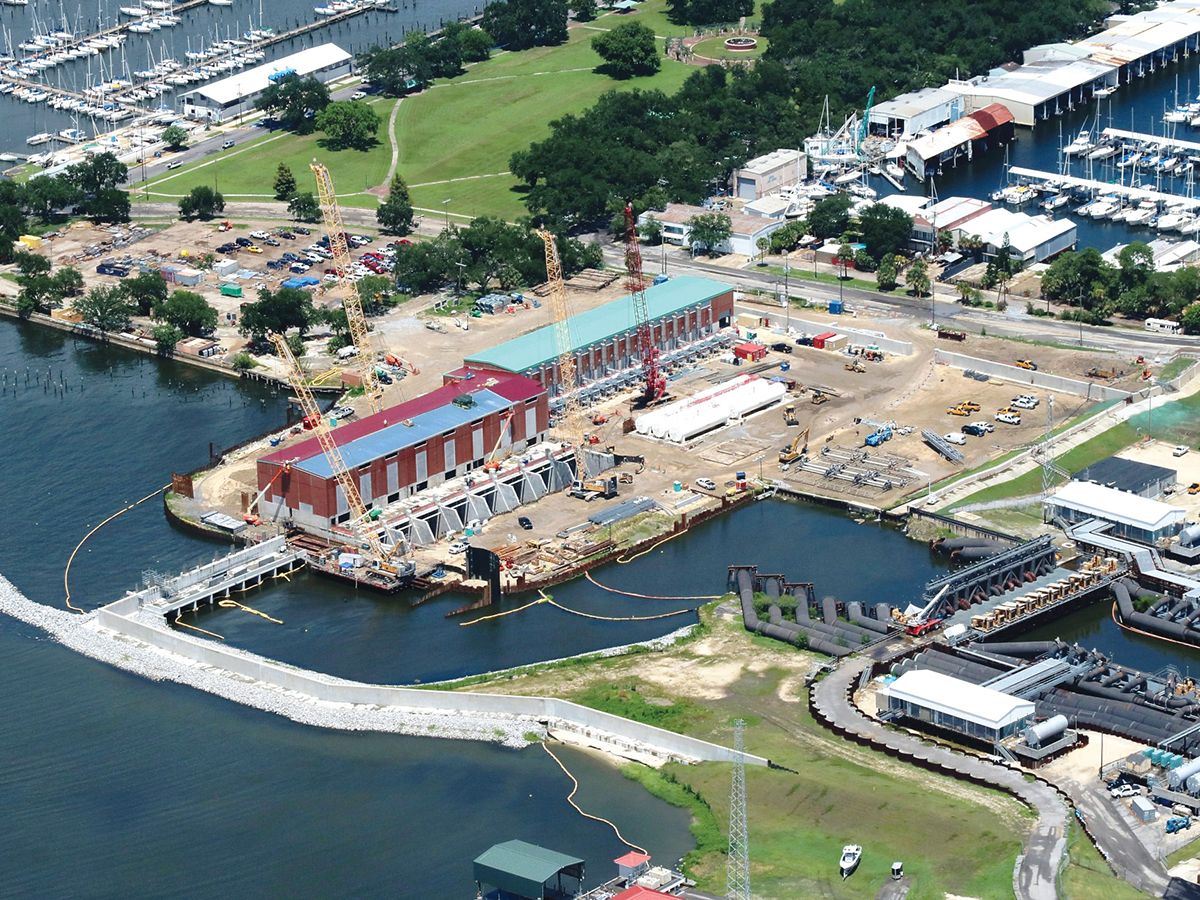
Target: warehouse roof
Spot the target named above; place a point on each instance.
(1121, 507)
(521, 868)
(769, 162)
(1025, 233)
(252, 81)
(955, 697)
(1036, 83)
(410, 423)
(602, 323)
(1124, 474)
(912, 103)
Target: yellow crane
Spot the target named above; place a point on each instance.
(570, 424)
(335, 230)
(312, 413)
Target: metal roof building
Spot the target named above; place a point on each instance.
(522, 870)
(682, 309)
(906, 114)
(956, 705)
(1134, 517)
(236, 94)
(1032, 238)
(1129, 475)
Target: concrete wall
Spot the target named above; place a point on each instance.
(118, 617)
(1026, 378)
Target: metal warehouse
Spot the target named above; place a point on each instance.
(236, 94)
(682, 311)
(406, 448)
(957, 705)
(1134, 517)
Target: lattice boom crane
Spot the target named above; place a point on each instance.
(570, 422)
(360, 334)
(655, 386)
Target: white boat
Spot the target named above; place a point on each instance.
(1169, 165)
(848, 177)
(135, 11)
(1082, 144)
(157, 4)
(851, 854)
(41, 138)
(1139, 216)
(858, 189)
(1170, 222)
(895, 170)
(1106, 91)
(220, 2)
(1179, 114)
(1102, 209)
(1056, 203)
(16, 2)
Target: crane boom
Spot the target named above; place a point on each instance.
(655, 383)
(360, 335)
(337, 465)
(570, 423)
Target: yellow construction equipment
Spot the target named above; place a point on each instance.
(819, 397)
(797, 448)
(789, 414)
(324, 434)
(355, 319)
(855, 366)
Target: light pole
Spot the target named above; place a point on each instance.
(787, 293)
(446, 210)
(461, 266)
(663, 246)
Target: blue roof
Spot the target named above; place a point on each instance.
(394, 437)
(600, 324)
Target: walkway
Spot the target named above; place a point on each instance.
(395, 142)
(1035, 875)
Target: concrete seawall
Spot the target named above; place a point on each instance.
(119, 635)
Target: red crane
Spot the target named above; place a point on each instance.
(655, 387)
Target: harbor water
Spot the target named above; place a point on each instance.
(116, 786)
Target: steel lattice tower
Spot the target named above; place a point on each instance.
(1048, 465)
(737, 868)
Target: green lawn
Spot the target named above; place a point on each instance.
(653, 14)
(799, 274)
(1101, 446)
(1176, 367)
(471, 125)
(1087, 875)
(247, 171)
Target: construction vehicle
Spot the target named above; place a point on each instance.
(1194, 487)
(491, 464)
(819, 397)
(789, 414)
(655, 382)
(916, 620)
(251, 514)
(1178, 823)
(225, 226)
(1106, 374)
(589, 490)
(599, 419)
(359, 514)
(796, 449)
(1027, 364)
(880, 435)
(855, 366)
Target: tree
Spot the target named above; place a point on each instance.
(295, 343)
(885, 275)
(395, 214)
(349, 124)
(1191, 319)
(96, 179)
(106, 307)
(146, 290)
(521, 24)
(845, 256)
(294, 101)
(165, 338)
(585, 10)
(864, 261)
(473, 44)
(372, 290)
(201, 202)
(46, 197)
(175, 137)
(30, 264)
(709, 231)
(830, 216)
(884, 229)
(917, 278)
(285, 182)
(187, 311)
(1074, 277)
(627, 50)
(304, 207)
(66, 282)
(708, 12)
(651, 231)
(277, 311)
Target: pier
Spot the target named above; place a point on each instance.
(1092, 186)
(1144, 139)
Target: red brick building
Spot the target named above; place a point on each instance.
(406, 448)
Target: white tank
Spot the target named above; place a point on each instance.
(1045, 732)
(1182, 773)
(1190, 536)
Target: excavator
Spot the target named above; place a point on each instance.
(797, 448)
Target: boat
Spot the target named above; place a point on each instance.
(1102, 209)
(157, 4)
(220, 2)
(135, 11)
(1170, 221)
(849, 177)
(895, 170)
(1056, 203)
(1141, 215)
(324, 10)
(41, 138)
(1106, 91)
(1082, 144)
(851, 854)
(15, 2)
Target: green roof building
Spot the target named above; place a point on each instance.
(524, 871)
(682, 310)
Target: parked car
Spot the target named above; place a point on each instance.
(342, 412)
(955, 437)
(243, 241)
(254, 248)
(707, 483)
(275, 264)
(259, 235)
(174, 165)
(781, 347)
(270, 241)
(298, 267)
(299, 230)
(358, 95)
(228, 144)
(1180, 450)
(1008, 418)
(112, 269)
(1125, 790)
(459, 547)
(986, 426)
(974, 430)
(525, 522)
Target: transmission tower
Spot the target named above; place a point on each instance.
(1050, 468)
(737, 868)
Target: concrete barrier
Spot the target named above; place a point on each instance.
(120, 617)
(1057, 383)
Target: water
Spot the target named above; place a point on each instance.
(385, 640)
(200, 27)
(116, 786)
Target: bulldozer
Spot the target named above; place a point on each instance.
(797, 448)
(819, 397)
(855, 366)
(1095, 372)
(789, 414)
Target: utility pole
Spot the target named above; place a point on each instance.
(787, 293)
(737, 867)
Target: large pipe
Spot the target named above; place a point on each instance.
(1021, 648)
(855, 612)
(948, 545)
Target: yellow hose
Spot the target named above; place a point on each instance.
(588, 815)
(622, 560)
(542, 599)
(575, 612)
(71, 558)
(613, 590)
(233, 604)
(197, 628)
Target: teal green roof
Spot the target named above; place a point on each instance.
(522, 868)
(600, 324)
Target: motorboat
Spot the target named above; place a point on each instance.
(1106, 91)
(1170, 221)
(849, 177)
(1056, 203)
(1102, 209)
(136, 11)
(895, 170)
(1141, 215)
(851, 854)
(1082, 144)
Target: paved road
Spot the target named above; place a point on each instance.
(1036, 872)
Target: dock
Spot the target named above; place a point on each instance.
(1094, 187)
(1139, 138)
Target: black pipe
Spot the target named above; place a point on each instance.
(1021, 648)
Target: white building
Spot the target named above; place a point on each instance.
(232, 96)
(956, 705)
(907, 114)
(952, 215)
(769, 173)
(1134, 517)
(746, 230)
(1168, 255)
(1033, 239)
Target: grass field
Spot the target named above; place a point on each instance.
(247, 171)
(1087, 875)
(714, 48)
(1175, 368)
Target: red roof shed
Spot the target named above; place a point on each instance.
(750, 351)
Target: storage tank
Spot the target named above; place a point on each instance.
(1179, 775)
(1046, 732)
(1190, 536)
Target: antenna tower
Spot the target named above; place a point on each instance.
(737, 870)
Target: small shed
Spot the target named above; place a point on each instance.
(819, 341)
(225, 266)
(188, 276)
(750, 351)
(231, 290)
(1144, 809)
(522, 870)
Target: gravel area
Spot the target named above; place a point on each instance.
(82, 634)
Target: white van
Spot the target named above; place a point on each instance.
(956, 437)
(347, 352)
